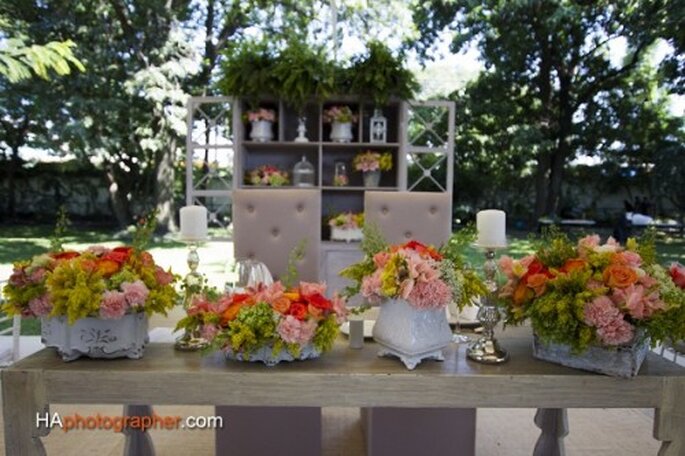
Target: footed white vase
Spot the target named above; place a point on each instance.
(411, 334)
(125, 337)
(261, 130)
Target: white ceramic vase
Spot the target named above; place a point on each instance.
(261, 130)
(341, 132)
(411, 334)
(125, 337)
(346, 234)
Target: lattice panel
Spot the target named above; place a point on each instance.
(427, 172)
(209, 160)
(428, 126)
(429, 146)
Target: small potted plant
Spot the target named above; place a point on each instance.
(268, 175)
(371, 163)
(347, 226)
(261, 121)
(341, 119)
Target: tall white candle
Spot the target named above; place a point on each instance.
(193, 223)
(492, 227)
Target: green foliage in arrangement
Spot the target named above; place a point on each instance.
(303, 73)
(380, 75)
(248, 71)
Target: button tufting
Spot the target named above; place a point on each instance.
(433, 210)
(384, 210)
(250, 255)
(300, 207)
(407, 234)
(250, 208)
(275, 232)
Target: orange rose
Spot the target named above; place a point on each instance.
(232, 312)
(281, 305)
(293, 296)
(619, 276)
(108, 267)
(573, 265)
(522, 294)
(537, 282)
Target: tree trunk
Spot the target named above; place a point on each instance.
(164, 190)
(556, 174)
(120, 205)
(541, 185)
(11, 183)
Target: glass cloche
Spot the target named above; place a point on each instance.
(303, 173)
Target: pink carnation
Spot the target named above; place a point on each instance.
(629, 258)
(294, 331)
(588, 244)
(208, 332)
(163, 277)
(37, 275)
(98, 250)
(617, 332)
(601, 311)
(371, 287)
(41, 306)
(199, 304)
(430, 295)
(113, 305)
(639, 301)
(136, 292)
(339, 308)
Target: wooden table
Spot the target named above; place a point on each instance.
(344, 377)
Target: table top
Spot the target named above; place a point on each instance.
(346, 377)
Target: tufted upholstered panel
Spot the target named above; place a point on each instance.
(401, 216)
(268, 224)
(425, 217)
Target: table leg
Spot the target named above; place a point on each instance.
(554, 426)
(138, 441)
(669, 419)
(26, 413)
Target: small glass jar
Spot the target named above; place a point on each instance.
(340, 178)
(303, 173)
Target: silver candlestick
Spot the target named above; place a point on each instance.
(193, 282)
(486, 349)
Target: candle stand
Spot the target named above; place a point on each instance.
(486, 349)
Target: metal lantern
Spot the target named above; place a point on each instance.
(378, 127)
(303, 173)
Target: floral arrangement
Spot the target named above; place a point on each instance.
(340, 114)
(268, 316)
(99, 282)
(424, 276)
(595, 294)
(372, 161)
(268, 175)
(347, 221)
(256, 115)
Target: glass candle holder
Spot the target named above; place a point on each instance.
(340, 178)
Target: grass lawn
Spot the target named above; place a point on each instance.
(20, 242)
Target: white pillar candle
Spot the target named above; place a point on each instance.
(193, 223)
(492, 227)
